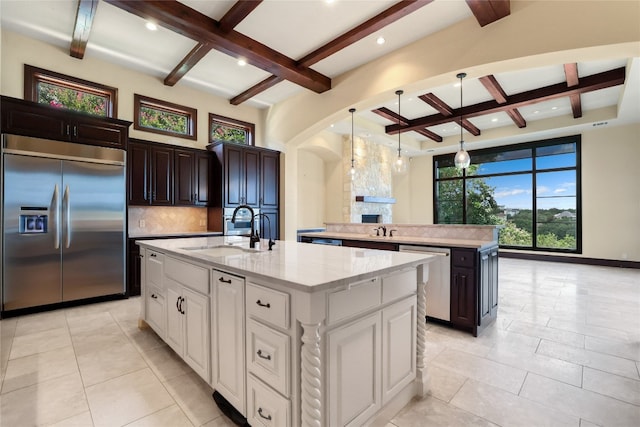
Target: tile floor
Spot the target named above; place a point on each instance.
(565, 350)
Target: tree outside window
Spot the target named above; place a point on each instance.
(162, 117)
(226, 129)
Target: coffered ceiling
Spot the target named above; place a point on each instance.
(260, 53)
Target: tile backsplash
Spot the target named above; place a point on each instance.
(161, 219)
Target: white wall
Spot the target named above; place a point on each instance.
(311, 190)
(18, 50)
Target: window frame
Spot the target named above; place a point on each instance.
(34, 75)
(140, 101)
(533, 145)
(250, 128)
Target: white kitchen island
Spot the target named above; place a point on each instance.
(304, 334)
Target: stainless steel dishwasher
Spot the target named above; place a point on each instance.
(439, 284)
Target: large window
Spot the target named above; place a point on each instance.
(70, 93)
(532, 190)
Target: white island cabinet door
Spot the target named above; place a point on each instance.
(399, 344)
(227, 324)
(355, 391)
(175, 325)
(195, 309)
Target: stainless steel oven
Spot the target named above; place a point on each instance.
(242, 226)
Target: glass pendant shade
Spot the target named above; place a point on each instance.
(462, 160)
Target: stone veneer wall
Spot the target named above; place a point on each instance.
(373, 178)
(443, 231)
(161, 219)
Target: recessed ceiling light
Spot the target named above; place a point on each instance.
(151, 26)
(536, 112)
(380, 40)
(242, 62)
(457, 84)
(554, 108)
(495, 119)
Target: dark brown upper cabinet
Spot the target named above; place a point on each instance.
(20, 117)
(150, 174)
(191, 177)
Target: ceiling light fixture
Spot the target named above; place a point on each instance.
(353, 166)
(399, 165)
(242, 62)
(380, 40)
(462, 160)
(151, 26)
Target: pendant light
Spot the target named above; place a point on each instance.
(399, 165)
(353, 166)
(462, 160)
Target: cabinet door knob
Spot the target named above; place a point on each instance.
(266, 417)
(261, 304)
(262, 356)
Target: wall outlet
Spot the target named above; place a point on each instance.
(142, 224)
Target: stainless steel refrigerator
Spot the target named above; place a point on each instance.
(63, 222)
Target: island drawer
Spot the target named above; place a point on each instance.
(153, 267)
(398, 285)
(192, 276)
(268, 305)
(356, 298)
(268, 356)
(463, 258)
(265, 407)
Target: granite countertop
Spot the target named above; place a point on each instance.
(296, 265)
(405, 240)
(174, 234)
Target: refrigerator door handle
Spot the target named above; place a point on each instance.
(55, 211)
(67, 214)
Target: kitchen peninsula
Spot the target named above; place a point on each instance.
(302, 335)
(463, 286)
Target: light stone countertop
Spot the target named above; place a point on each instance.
(405, 240)
(296, 265)
(175, 234)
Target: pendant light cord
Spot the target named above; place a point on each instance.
(352, 110)
(399, 92)
(461, 76)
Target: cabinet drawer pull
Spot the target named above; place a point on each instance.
(267, 305)
(268, 417)
(178, 304)
(153, 255)
(267, 357)
(223, 280)
(154, 296)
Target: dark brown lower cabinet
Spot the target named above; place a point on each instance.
(133, 269)
(386, 246)
(274, 231)
(464, 301)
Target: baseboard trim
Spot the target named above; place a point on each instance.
(571, 259)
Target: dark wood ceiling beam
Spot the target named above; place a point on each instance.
(182, 19)
(390, 115)
(187, 63)
(591, 83)
(437, 104)
(488, 11)
(571, 74)
(82, 28)
(443, 108)
(493, 87)
(233, 17)
(254, 90)
(431, 135)
(388, 16)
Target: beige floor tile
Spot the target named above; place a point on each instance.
(588, 330)
(36, 368)
(481, 369)
(167, 417)
(221, 421)
(499, 338)
(592, 359)
(450, 338)
(165, 363)
(40, 322)
(585, 423)
(44, 403)
(444, 383)
(107, 363)
(143, 339)
(433, 412)
(622, 388)
(194, 397)
(101, 339)
(550, 367)
(7, 332)
(507, 409)
(127, 398)
(551, 334)
(624, 349)
(88, 323)
(585, 404)
(39, 342)
(81, 420)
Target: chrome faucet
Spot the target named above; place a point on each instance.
(253, 237)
